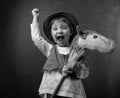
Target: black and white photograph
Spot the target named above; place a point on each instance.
(60, 49)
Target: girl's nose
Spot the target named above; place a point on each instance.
(59, 31)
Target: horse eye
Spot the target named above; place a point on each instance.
(95, 36)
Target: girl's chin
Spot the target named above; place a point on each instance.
(61, 43)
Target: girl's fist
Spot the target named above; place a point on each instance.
(35, 12)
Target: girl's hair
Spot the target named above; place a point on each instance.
(64, 20)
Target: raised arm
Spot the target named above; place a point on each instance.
(39, 41)
(95, 41)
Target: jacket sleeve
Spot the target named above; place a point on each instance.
(96, 41)
(39, 41)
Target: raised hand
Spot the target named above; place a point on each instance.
(35, 12)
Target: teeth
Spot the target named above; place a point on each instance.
(59, 35)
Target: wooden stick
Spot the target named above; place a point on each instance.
(58, 86)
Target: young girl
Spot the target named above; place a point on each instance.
(60, 29)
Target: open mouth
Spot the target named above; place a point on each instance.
(60, 37)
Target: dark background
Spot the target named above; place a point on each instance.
(21, 61)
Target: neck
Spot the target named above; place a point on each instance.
(66, 45)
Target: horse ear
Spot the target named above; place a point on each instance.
(78, 29)
(81, 32)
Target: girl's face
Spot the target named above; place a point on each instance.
(61, 33)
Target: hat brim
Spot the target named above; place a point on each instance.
(70, 17)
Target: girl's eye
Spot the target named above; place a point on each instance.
(64, 27)
(54, 28)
